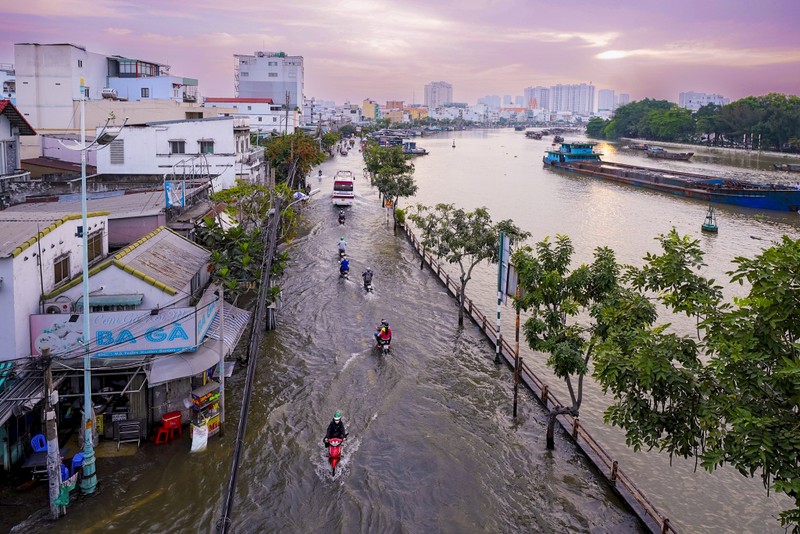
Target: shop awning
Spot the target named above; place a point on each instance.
(207, 355)
(23, 394)
(132, 299)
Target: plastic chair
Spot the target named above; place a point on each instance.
(172, 422)
(77, 462)
(162, 436)
(38, 443)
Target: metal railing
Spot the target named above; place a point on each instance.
(595, 452)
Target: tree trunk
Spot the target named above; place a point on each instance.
(551, 424)
(461, 304)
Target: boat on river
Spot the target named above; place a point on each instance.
(660, 153)
(791, 167)
(581, 158)
(410, 148)
(533, 135)
(638, 146)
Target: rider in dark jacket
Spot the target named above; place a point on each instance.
(335, 429)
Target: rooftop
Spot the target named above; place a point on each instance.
(18, 231)
(118, 205)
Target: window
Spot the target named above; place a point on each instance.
(94, 242)
(273, 75)
(177, 147)
(116, 152)
(272, 63)
(61, 269)
(145, 92)
(244, 74)
(259, 119)
(195, 287)
(249, 108)
(80, 63)
(86, 93)
(274, 119)
(206, 147)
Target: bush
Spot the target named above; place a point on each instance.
(400, 216)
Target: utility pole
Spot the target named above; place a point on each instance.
(286, 124)
(221, 359)
(51, 433)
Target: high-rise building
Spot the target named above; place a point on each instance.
(507, 102)
(694, 101)
(623, 98)
(491, 101)
(578, 99)
(605, 101)
(438, 94)
(519, 101)
(270, 75)
(537, 97)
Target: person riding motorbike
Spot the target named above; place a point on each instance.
(342, 245)
(384, 334)
(367, 276)
(335, 429)
(344, 266)
(341, 216)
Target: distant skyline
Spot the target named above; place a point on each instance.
(389, 50)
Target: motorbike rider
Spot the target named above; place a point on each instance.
(335, 429)
(342, 245)
(341, 216)
(344, 266)
(367, 276)
(384, 334)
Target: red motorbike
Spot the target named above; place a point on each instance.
(334, 453)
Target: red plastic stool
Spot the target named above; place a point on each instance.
(172, 423)
(163, 435)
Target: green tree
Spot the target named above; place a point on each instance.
(329, 139)
(463, 237)
(292, 156)
(728, 394)
(707, 122)
(391, 172)
(556, 298)
(596, 127)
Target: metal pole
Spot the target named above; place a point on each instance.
(221, 360)
(89, 480)
(517, 359)
(499, 300)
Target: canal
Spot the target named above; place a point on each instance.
(432, 445)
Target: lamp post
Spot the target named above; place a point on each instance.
(89, 480)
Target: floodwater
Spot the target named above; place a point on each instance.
(432, 445)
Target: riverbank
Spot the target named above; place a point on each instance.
(730, 150)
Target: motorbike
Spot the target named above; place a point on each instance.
(341, 220)
(334, 453)
(344, 274)
(382, 343)
(342, 254)
(368, 287)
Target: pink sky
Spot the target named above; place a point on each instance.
(389, 50)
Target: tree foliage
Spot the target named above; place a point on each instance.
(391, 173)
(556, 297)
(463, 237)
(292, 156)
(730, 393)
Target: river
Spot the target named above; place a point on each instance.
(432, 445)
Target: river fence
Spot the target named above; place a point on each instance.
(594, 451)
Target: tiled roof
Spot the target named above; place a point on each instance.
(18, 231)
(239, 100)
(117, 206)
(10, 112)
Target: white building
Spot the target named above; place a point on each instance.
(50, 77)
(270, 75)
(537, 97)
(197, 150)
(623, 99)
(606, 102)
(265, 116)
(578, 99)
(694, 101)
(8, 83)
(438, 94)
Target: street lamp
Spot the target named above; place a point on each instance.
(106, 136)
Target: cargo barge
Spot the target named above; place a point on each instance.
(581, 158)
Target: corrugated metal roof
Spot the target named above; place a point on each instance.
(164, 256)
(18, 228)
(13, 115)
(118, 207)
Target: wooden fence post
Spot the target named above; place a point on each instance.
(614, 468)
(575, 424)
(544, 395)
(665, 526)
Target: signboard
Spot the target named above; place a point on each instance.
(123, 333)
(175, 192)
(502, 275)
(513, 281)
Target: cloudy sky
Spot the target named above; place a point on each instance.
(388, 49)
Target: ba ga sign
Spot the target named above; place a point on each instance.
(124, 333)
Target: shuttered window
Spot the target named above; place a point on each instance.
(117, 152)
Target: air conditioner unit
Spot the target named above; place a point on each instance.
(58, 307)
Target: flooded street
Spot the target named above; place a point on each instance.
(432, 446)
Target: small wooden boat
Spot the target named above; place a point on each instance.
(710, 224)
(638, 146)
(533, 135)
(558, 139)
(791, 167)
(660, 153)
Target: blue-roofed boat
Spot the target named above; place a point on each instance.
(581, 158)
